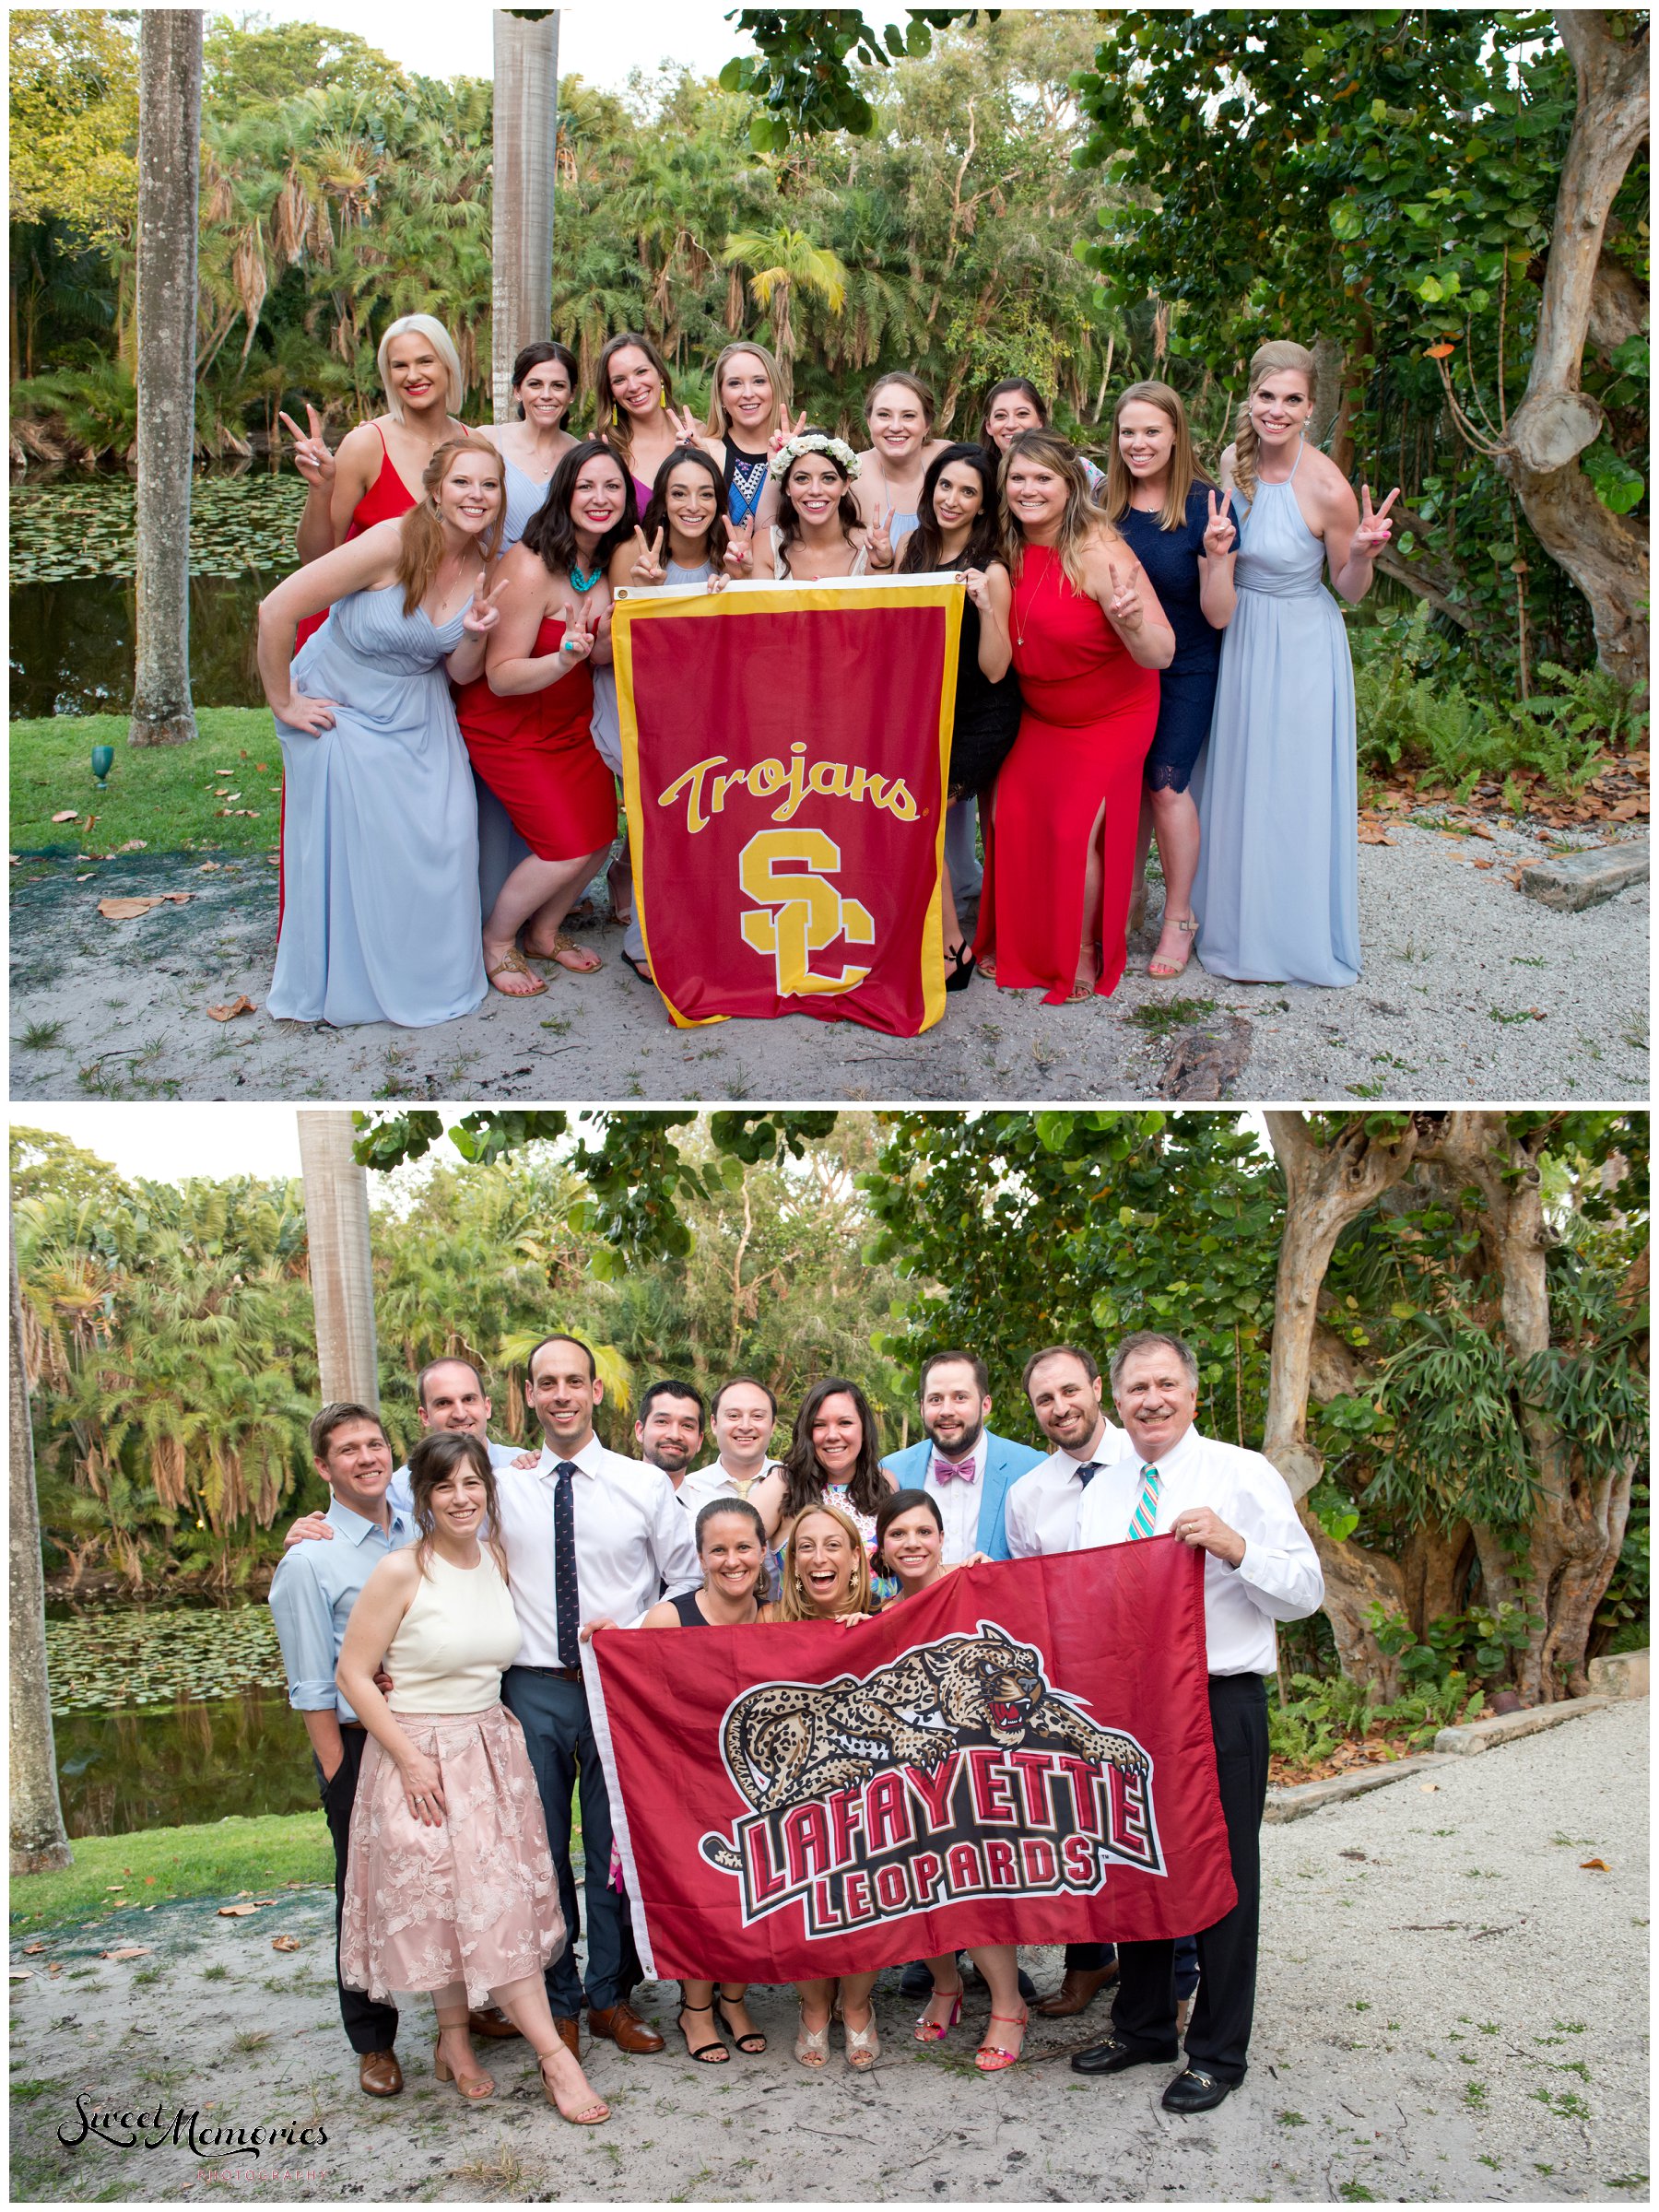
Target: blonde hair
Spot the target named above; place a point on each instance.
(1184, 471)
(719, 424)
(793, 1604)
(1081, 520)
(422, 533)
(1265, 361)
(444, 345)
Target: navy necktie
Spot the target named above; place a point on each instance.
(566, 1601)
(1086, 1474)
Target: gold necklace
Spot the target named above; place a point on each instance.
(1020, 634)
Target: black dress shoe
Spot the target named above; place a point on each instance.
(1195, 2091)
(916, 1980)
(1113, 2057)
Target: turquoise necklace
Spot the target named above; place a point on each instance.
(585, 583)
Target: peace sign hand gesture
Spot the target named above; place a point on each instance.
(577, 640)
(1124, 608)
(786, 430)
(1375, 530)
(880, 537)
(686, 429)
(1219, 532)
(312, 456)
(740, 549)
(482, 615)
(648, 559)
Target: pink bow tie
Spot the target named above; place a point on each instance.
(954, 1470)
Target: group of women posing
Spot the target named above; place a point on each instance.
(450, 732)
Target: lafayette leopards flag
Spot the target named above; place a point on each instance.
(785, 755)
(1020, 1754)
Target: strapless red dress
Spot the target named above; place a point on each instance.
(535, 751)
(1089, 717)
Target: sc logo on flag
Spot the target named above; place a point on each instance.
(803, 910)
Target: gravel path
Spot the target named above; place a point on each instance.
(1451, 2008)
(1470, 991)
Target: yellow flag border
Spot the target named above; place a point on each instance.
(787, 598)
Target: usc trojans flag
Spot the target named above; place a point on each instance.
(785, 753)
(1020, 1754)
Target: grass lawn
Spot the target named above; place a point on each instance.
(214, 1860)
(172, 796)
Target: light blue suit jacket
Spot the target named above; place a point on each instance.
(1006, 1461)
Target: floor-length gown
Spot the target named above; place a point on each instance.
(1088, 718)
(1278, 890)
(379, 836)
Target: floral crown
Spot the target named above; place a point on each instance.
(812, 441)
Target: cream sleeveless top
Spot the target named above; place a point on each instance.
(452, 1644)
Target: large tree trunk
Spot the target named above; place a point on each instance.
(1605, 554)
(38, 1842)
(342, 1277)
(170, 112)
(526, 137)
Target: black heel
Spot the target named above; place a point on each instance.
(753, 2044)
(962, 968)
(708, 2055)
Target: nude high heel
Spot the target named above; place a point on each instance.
(474, 2088)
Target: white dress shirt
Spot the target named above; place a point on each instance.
(959, 1503)
(1042, 1506)
(717, 1480)
(1279, 1577)
(631, 1540)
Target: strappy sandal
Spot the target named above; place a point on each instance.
(990, 2058)
(1166, 970)
(474, 2088)
(514, 964)
(812, 2044)
(863, 2049)
(565, 945)
(640, 968)
(590, 2116)
(934, 2031)
(706, 2054)
(752, 2042)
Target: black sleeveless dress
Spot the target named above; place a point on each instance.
(987, 716)
(687, 1607)
(744, 481)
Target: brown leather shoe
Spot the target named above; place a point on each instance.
(1076, 1993)
(489, 2020)
(621, 2024)
(379, 2074)
(570, 2033)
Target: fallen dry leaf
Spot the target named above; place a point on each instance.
(70, 814)
(236, 1912)
(1484, 863)
(1428, 1789)
(1480, 830)
(210, 868)
(56, 1967)
(128, 1950)
(22, 1974)
(1628, 809)
(241, 1004)
(1595, 1866)
(1373, 833)
(286, 1943)
(126, 910)
(30, 1948)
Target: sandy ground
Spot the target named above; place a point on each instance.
(1451, 2008)
(1470, 991)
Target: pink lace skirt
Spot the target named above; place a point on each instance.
(474, 1900)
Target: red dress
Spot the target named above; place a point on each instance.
(535, 751)
(1089, 716)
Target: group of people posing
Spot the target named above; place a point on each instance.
(1143, 653)
(431, 1625)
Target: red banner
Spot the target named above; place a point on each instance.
(786, 751)
(1022, 1754)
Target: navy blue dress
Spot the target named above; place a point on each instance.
(1187, 689)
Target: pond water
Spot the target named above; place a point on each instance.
(164, 1716)
(73, 615)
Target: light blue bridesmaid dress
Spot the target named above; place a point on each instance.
(1278, 890)
(500, 848)
(381, 839)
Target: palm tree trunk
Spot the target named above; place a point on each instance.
(526, 135)
(170, 116)
(38, 1842)
(336, 1229)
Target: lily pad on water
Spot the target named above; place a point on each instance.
(61, 529)
(115, 1661)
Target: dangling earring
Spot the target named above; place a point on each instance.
(661, 395)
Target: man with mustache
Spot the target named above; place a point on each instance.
(965, 1469)
(1261, 1568)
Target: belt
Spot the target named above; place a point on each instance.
(562, 1674)
(357, 1726)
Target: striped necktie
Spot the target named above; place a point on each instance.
(1146, 1505)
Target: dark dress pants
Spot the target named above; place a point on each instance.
(564, 1757)
(369, 2026)
(1143, 2013)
